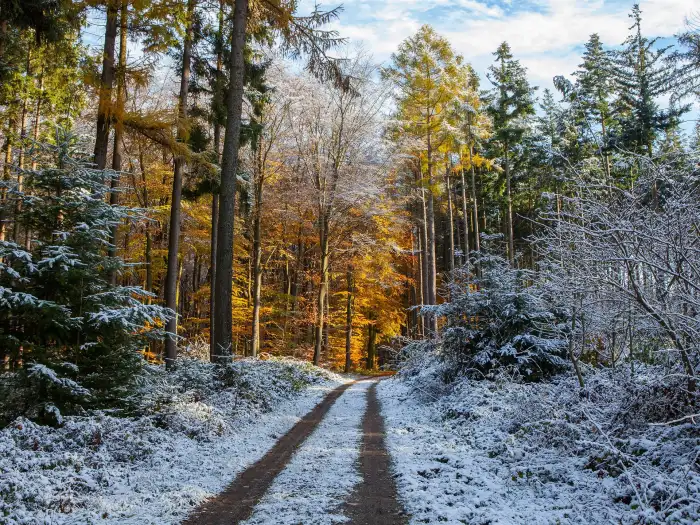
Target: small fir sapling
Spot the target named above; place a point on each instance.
(501, 320)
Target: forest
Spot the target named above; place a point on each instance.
(214, 213)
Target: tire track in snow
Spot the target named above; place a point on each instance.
(236, 503)
(375, 500)
(323, 472)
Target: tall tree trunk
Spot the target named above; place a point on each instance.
(509, 213)
(215, 193)
(425, 266)
(148, 254)
(171, 277)
(257, 263)
(229, 165)
(104, 107)
(322, 289)
(118, 129)
(35, 136)
(477, 240)
(22, 152)
(349, 311)
(465, 216)
(421, 279)
(450, 216)
(430, 245)
(7, 173)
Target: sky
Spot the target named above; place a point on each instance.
(547, 36)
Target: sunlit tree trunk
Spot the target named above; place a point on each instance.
(349, 311)
(229, 166)
(118, 128)
(104, 107)
(171, 277)
(450, 216)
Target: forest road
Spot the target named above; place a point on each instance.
(373, 501)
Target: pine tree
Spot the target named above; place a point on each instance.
(511, 102)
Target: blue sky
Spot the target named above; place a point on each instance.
(546, 35)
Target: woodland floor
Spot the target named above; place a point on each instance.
(260, 494)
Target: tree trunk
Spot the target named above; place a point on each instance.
(477, 240)
(257, 264)
(22, 154)
(348, 323)
(432, 266)
(215, 193)
(118, 130)
(104, 107)
(509, 214)
(322, 289)
(6, 174)
(450, 217)
(171, 277)
(371, 345)
(229, 165)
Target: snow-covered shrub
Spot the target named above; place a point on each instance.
(627, 261)
(496, 319)
(617, 452)
(71, 339)
(194, 429)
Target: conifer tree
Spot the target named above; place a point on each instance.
(510, 103)
(74, 339)
(641, 75)
(428, 77)
(592, 96)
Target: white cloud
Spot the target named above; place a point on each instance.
(546, 38)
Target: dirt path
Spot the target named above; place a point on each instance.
(375, 501)
(236, 503)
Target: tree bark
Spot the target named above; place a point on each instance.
(450, 216)
(322, 289)
(257, 260)
(22, 153)
(349, 311)
(215, 193)
(477, 240)
(229, 165)
(118, 130)
(6, 173)
(371, 345)
(171, 277)
(509, 214)
(104, 107)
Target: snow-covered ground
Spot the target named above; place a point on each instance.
(482, 452)
(323, 472)
(155, 468)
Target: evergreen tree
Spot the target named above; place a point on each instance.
(591, 99)
(510, 103)
(641, 75)
(74, 340)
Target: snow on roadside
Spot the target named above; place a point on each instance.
(323, 472)
(472, 469)
(153, 469)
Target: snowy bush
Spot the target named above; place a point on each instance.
(546, 451)
(70, 337)
(496, 318)
(71, 473)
